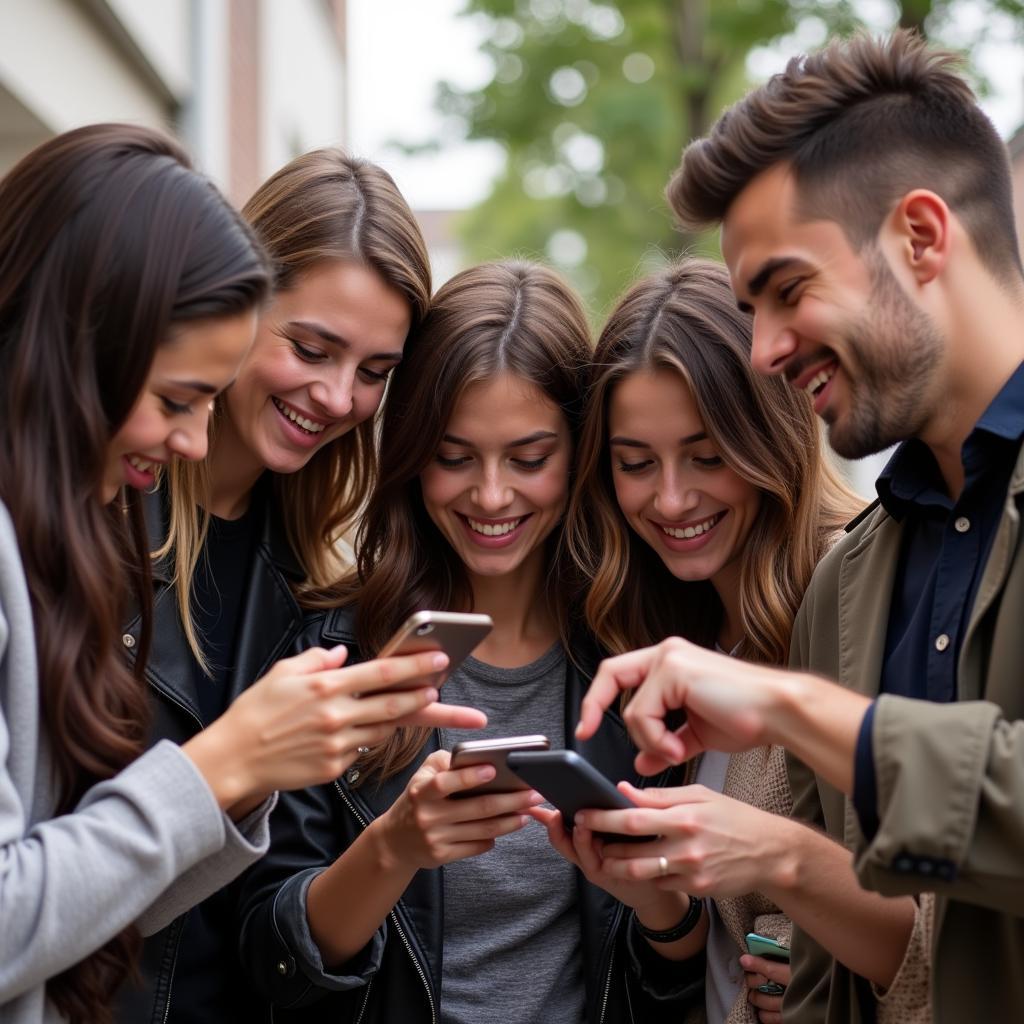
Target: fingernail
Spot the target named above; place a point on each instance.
(536, 798)
(524, 819)
(485, 773)
(745, 961)
(579, 819)
(430, 694)
(439, 660)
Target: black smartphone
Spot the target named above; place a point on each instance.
(571, 784)
(494, 752)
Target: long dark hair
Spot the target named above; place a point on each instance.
(513, 317)
(107, 238)
(684, 320)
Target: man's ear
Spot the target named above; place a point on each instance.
(922, 224)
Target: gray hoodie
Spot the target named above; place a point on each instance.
(141, 847)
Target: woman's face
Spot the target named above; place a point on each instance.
(324, 349)
(498, 484)
(672, 484)
(170, 415)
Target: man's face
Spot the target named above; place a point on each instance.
(836, 323)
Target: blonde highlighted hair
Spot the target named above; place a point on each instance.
(322, 207)
(685, 320)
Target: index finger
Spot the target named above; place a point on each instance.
(447, 716)
(614, 675)
(384, 673)
(773, 970)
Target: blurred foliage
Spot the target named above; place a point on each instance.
(593, 101)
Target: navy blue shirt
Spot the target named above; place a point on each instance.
(942, 557)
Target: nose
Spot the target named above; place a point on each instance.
(491, 494)
(773, 345)
(333, 392)
(673, 497)
(190, 442)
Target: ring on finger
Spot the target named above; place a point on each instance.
(662, 866)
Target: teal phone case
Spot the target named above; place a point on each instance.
(761, 945)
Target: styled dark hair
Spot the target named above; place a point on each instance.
(323, 206)
(511, 317)
(861, 123)
(107, 239)
(684, 320)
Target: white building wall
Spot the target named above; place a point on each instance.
(304, 81)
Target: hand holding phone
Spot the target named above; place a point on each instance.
(768, 949)
(571, 784)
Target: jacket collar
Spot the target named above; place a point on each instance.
(272, 536)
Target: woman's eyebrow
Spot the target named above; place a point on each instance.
(630, 442)
(537, 435)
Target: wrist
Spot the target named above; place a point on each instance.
(220, 763)
(678, 929)
(387, 845)
(665, 911)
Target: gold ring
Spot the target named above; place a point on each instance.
(663, 866)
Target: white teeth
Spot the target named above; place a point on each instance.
(493, 529)
(821, 378)
(308, 425)
(142, 465)
(689, 532)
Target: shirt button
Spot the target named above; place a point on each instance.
(128, 640)
(962, 525)
(941, 642)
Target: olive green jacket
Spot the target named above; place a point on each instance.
(950, 777)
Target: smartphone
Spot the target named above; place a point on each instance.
(495, 751)
(761, 945)
(455, 633)
(571, 784)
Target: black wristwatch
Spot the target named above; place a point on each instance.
(688, 923)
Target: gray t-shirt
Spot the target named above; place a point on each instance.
(512, 950)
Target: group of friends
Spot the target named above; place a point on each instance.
(239, 450)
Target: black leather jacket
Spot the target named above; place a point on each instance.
(266, 633)
(397, 977)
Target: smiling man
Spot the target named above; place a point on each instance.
(867, 224)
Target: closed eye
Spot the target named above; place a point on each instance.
(177, 408)
(530, 465)
(635, 467)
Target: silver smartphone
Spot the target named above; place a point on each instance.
(455, 633)
(494, 752)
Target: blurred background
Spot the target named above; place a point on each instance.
(541, 128)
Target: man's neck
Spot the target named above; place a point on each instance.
(986, 345)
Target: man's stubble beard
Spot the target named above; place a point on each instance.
(895, 350)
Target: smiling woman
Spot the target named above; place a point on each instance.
(476, 456)
(243, 535)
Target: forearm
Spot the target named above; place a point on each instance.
(348, 902)
(814, 884)
(817, 721)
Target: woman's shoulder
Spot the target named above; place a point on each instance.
(328, 627)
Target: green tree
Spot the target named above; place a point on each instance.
(593, 101)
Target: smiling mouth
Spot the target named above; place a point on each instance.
(143, 465)
(694, 530)
(304, 424)
(819, 381)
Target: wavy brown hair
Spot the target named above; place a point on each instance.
(685, 320)
(323, 207)
(861, 123)
(511, 317)
(107, 239)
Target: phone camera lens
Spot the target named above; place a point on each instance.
(426, 629)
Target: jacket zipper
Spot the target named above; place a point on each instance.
(170, 977)
(394, 919)
(177, 940)
(607, 987)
